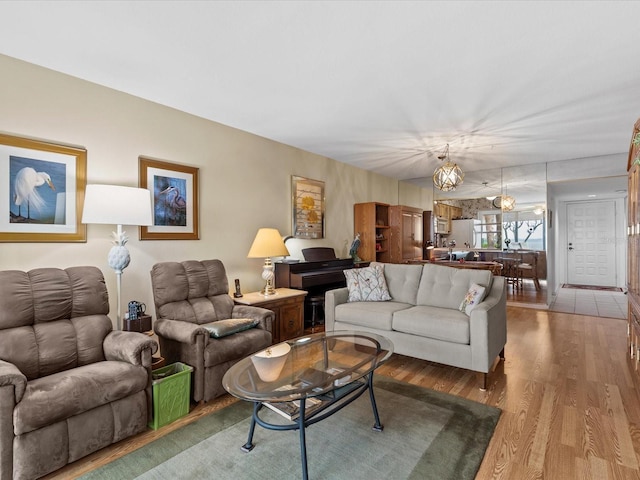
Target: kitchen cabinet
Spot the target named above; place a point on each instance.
(455, 213)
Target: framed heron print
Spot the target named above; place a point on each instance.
(41, 191)
(174, 193)
(308, 208)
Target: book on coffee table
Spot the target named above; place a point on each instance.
(291, 410)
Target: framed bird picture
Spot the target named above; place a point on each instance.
(41, 191)
(174, 193)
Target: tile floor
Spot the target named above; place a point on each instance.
(598, 303)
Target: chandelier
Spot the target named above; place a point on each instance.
(507, 203)
(448, 175)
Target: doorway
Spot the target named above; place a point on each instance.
(591, 245)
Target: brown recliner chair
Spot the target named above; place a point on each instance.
(191, 297)
(69, 385)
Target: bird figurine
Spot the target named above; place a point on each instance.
(353, 251)
(27, 179)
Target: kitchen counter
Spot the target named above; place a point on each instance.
(490, 255)
(495, 267)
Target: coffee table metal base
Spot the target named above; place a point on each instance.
(302, 422)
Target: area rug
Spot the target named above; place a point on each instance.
(592, 287)
(427, 435)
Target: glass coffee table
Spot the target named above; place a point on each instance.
(308, 379)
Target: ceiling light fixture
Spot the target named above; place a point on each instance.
(491, 198)
(448, 175)
(507, 203)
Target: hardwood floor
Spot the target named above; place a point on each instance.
(527, 293)
(570, 409)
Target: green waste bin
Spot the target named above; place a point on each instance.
(171, 393)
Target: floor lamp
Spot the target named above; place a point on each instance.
(117, 205)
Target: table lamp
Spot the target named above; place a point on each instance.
(268, 243)
(118, 205)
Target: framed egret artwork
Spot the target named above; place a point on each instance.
(42, 188)
(308, 207)
(174, 193)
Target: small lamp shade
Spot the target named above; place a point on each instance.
(268, 243)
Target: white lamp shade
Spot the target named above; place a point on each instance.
(268, 243)
(117, 205)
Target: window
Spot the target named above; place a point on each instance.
(524, 229)
(489, 229)
(518, 229)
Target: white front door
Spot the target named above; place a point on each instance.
(591, 249)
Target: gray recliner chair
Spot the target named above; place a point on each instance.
(69, 385)
(192, 300)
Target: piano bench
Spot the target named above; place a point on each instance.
(316, 302)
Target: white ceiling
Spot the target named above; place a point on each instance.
(380, 85)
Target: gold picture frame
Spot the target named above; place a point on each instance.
(174, 195)
(41, 191)
(307, 198)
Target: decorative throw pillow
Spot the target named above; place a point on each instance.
(473, 297)
(223, 328)
(367, 284)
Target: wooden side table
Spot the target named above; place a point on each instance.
(287, 305)
(157, 360)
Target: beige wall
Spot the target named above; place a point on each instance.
(244, 179)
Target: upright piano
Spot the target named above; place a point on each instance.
(315, 277)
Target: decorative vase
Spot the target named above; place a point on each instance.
(270, 362)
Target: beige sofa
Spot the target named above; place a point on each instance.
(423, 319)
(69, 385)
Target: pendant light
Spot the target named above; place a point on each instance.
(448, 175)
(507, 202)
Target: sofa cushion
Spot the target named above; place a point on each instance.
(50, 347)
(192, 291)
(433, 322)
(367, 284)
(402, 281)
(474, 296)
(369, 314)
(56, 397)
(224, 328)
(446, 287)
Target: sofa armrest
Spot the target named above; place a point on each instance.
(129, 347)
(178, 331)
(11, 375)
(264, 316)
(488, 326)
(333, 298)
